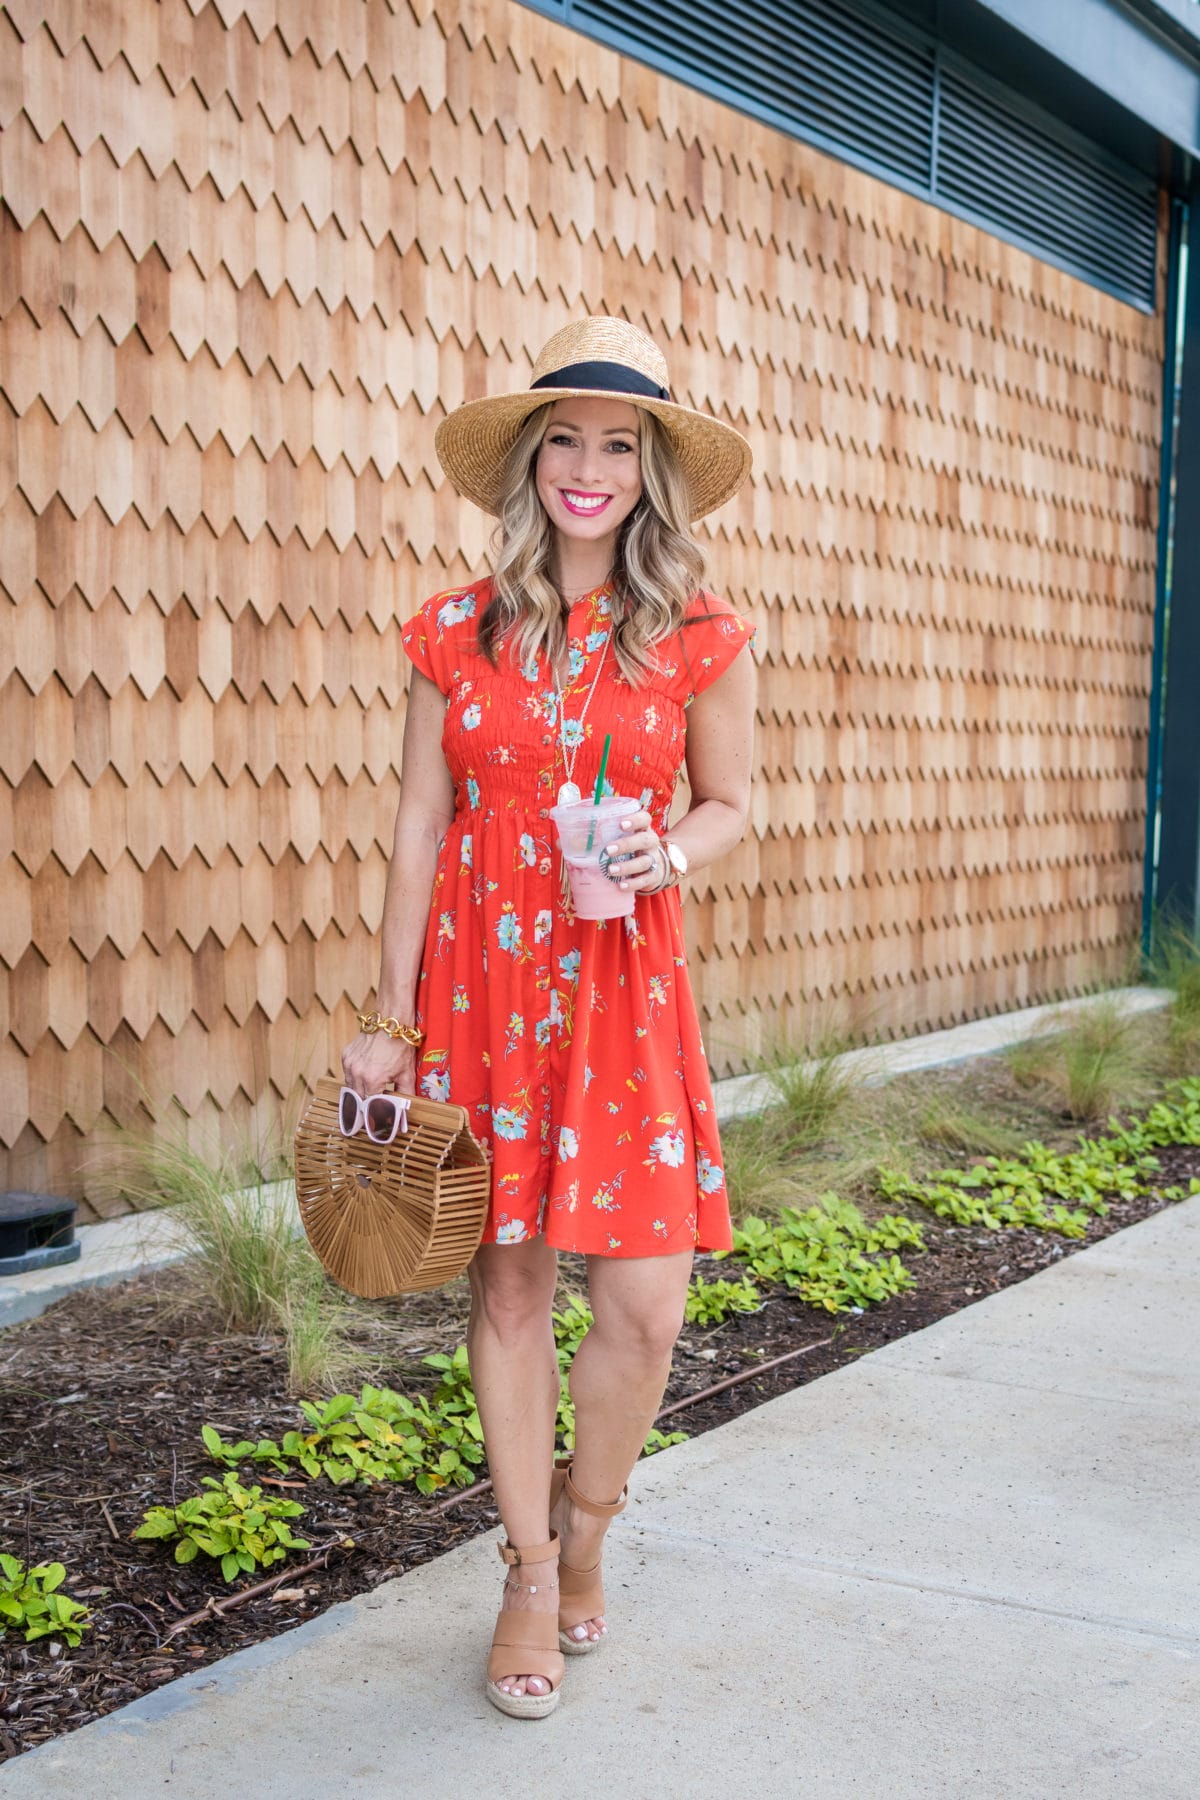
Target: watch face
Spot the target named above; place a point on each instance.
(677, 859)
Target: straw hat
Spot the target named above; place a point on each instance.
(592, 356)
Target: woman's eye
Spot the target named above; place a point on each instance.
(616, 444)
(560, 439)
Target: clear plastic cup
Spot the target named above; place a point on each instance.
(584, 831)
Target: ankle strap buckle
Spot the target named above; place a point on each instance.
(514, 1555)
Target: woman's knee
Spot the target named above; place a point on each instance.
(647, 1332)
(639, 1305)
(512, 1288)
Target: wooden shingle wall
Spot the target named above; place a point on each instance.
(251, 254)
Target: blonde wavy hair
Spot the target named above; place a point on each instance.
(657, 569)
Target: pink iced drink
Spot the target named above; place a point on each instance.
(593, 894)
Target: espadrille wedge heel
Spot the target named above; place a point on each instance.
(523, 1642)
(580, 1591)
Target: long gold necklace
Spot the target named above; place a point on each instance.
(568, 793)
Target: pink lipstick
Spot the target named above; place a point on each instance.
(584, 506)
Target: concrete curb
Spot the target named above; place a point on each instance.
(113, 1251)
(742, 1095)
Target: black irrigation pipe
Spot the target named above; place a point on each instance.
(718, 1387)
(216, 1609)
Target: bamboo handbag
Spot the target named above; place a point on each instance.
(391, 1218)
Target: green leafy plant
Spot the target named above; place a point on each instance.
(829, 1254)
(361, 1439)
(572, 1322)
(234, 1455)
(378, 1435)
(450, 1422)
(1057, 1191)
(235, 1525)
(1172, 1120)
(30, 1600)
(385, 1436)
(712, 1302)
(657, 1440)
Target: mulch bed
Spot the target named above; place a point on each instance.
(102, 1399)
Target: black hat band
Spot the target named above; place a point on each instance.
(607, 377)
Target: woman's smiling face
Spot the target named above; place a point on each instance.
(589, 467)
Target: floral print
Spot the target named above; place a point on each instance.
(573, 1044)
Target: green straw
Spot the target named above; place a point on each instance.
(596, 797)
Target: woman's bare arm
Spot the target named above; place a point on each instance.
(720, 759)
(720, 763)
(424, 814)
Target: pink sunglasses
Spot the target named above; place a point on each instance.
(381, 1116)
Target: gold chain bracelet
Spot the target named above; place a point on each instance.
(374, 1021)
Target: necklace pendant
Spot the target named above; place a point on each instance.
(569, 794)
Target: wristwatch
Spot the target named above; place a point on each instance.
(677, 861)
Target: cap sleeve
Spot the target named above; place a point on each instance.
(434, 638)
(711, 636)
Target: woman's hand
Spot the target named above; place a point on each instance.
(375, 1063)
(639, 860)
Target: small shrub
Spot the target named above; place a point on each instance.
(251, 1263)
(234, 1525)
(1175, 964)
(31, 1601)
(315, 1322)
(1089, 1063)
(1096, 1061)
(813, 1093)
(754, 1154)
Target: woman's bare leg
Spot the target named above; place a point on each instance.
(514, 1371)
(617, 1382)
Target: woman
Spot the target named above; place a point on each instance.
(573, 1043)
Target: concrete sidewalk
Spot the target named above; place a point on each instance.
(967, 1565)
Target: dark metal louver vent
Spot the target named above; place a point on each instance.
(823, 67)
(1043, 189)
(878, 92)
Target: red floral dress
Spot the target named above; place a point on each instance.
(573, 1043)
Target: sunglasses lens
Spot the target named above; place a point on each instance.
(381, 1117)
(348, 1113)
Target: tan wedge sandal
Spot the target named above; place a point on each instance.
(580, 1591)
(523, 1643)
